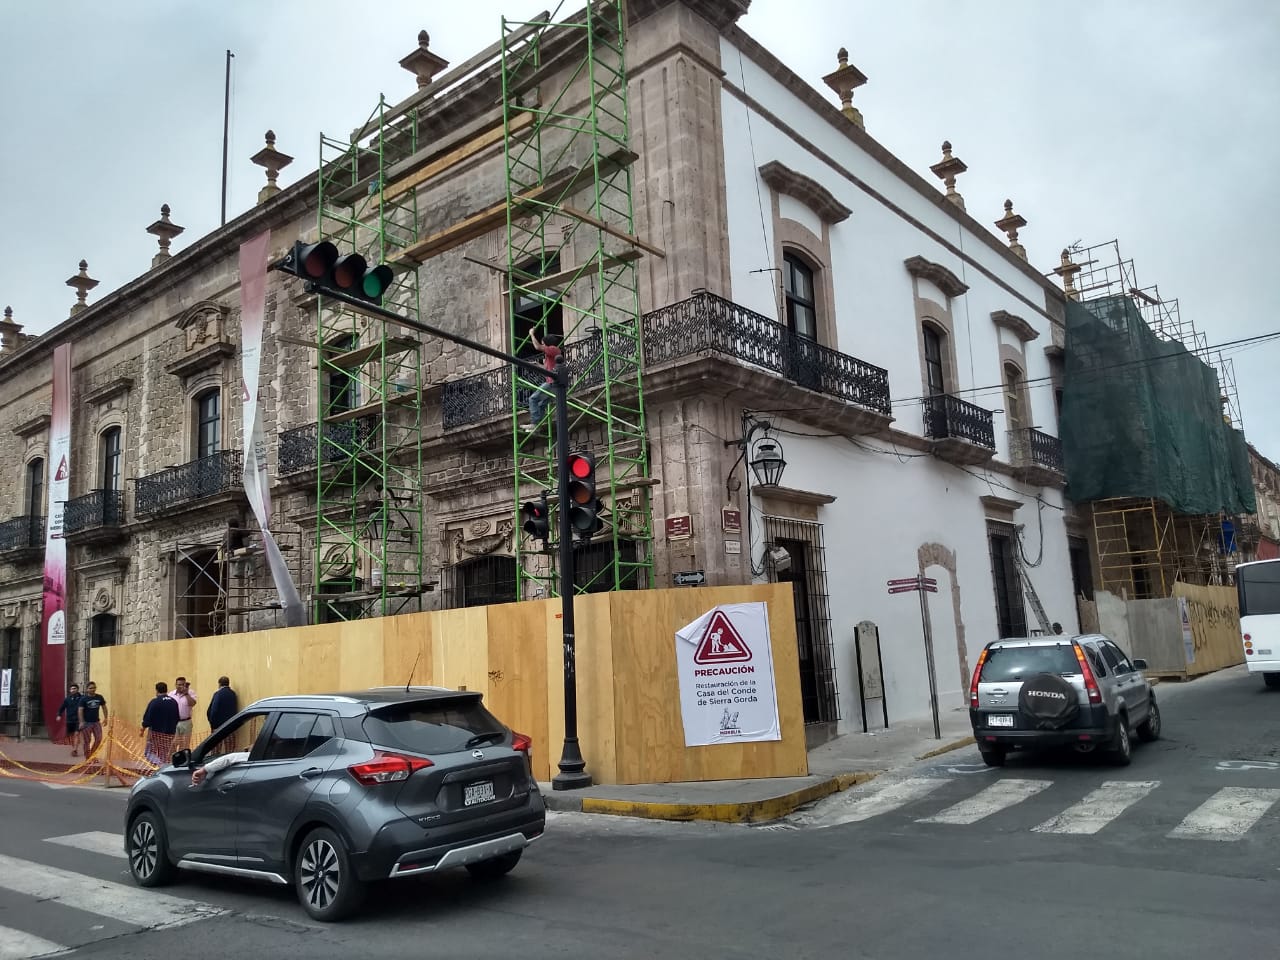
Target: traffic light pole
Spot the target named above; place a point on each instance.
(573, 768)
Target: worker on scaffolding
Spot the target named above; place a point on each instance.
(542, 395)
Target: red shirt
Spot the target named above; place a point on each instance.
(550, 357)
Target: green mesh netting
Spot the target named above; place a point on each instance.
(1142, 417)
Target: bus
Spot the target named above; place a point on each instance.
(1258, 585)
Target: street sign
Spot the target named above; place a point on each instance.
(924, 585)
(689, 578)
(912, 584)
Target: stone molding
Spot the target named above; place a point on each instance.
(109, 390)
(1015, 325)
(805, 189)
(36, 425)
(935, 273)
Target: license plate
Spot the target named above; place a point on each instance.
(1000, 720)
(474, 793)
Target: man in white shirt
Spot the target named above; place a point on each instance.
(200, 774)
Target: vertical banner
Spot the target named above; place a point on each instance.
(53, 616)
(725, 663)
(257, 484)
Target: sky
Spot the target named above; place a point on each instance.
(1151, 122)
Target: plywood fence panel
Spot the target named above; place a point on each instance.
(1215, 627)
(517, 676)
(597, 717)
(460, 648)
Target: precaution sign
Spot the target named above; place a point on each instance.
(721, 643)
(61, 472)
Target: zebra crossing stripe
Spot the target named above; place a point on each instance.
(95, 841)
(1227, 815)
(999, 796)
(882, 801)
(19, 945)
(1098, 808)
(126, 903)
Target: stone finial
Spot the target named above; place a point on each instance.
(83, 283)
(946, 170)
(1067, 270)
(273, 161)
(844, 80)
(422, 63)
(11, 337)
(164, 231)
(1010, 223)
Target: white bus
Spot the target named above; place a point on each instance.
(1258, 585)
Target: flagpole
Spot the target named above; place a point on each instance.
(226, 132)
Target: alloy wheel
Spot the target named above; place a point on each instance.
(321, 873)
(143, 849)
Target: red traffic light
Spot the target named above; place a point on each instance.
(330, 272)
(581, 465)
(537, 519)
(584, 513)
(315, 260)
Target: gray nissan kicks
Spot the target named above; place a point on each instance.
(331, 792)
(1081, 692)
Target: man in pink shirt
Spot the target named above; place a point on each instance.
(542, 396)
(186, 699)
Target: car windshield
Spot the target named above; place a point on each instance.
(1019, 663)
(445, 726)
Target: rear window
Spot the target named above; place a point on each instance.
(1259, 587)
(446, 726)
(1005, 664)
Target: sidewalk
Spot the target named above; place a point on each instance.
(40, 759)
(844, 762)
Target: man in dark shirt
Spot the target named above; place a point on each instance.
(70, 710)
(222, 705)
(160, 723)
(93, 710)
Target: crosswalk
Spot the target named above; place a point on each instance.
(120, 905)
(1225, 814)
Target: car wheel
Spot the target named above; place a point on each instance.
(495, 867)
(993, 758)
(1122, 751)
(324, 878)
(1149, 729)
(1272, 680)
(148, 851)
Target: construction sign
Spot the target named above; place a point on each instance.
(725, 663)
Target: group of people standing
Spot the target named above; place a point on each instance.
(83, 714)
(167, 723)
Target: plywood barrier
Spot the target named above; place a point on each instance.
(1215, 627)
(629, 721)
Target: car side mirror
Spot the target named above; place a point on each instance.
(182, 758)
(1139, 664)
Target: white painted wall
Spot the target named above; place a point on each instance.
(888, 505)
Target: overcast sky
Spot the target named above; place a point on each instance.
(1150, 121)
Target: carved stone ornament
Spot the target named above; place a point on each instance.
(483, 546)
(479, 528)
(202, 323)
(102, 600)
(9, 615)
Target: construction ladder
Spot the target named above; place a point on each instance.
(1036, 605)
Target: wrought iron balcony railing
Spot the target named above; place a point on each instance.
(1029, 447)
(22, 533)
(209, 476)
(101, 508)
(697, 324)
(708, 322)
(947, 417)
(297, 451)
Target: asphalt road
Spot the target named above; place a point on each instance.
(1174, 856)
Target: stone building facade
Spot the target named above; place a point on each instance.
(156, 424)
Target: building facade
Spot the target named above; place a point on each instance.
(897, 354)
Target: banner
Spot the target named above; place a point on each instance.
(725, 663)
(6, 687)
(257, 484)
(53, 616)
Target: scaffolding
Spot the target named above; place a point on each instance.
(368, 549)
(571, 270)
(223, 584)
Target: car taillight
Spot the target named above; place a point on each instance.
(387, 768)
(522, 743)
(1090, 682)
(977, 672)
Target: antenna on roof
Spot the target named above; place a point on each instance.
(413, 670)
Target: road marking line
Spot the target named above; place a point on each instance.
(882, 801)
(18, 945)
(995, 798)
(1227, 815)
(1098, 808)
(3, 794)
(95, 841)
(128, 904)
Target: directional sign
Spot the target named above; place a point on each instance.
(690, 578)
(904, 582)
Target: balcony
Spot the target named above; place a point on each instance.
(175, 488)
(22, 538)
(1036, 457)
(962, 433)
(693, 328)
(297, 450)
(97, 517)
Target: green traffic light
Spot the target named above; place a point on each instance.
(376, 281)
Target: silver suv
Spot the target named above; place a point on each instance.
(1082, 692)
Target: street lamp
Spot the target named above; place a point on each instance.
(768, 463)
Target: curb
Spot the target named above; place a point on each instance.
(751, 811)
(954, 745)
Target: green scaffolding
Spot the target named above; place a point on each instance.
(572, 264)
(369, 508)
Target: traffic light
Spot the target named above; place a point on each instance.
(328, 271)
(584, 506)
(537, 519)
